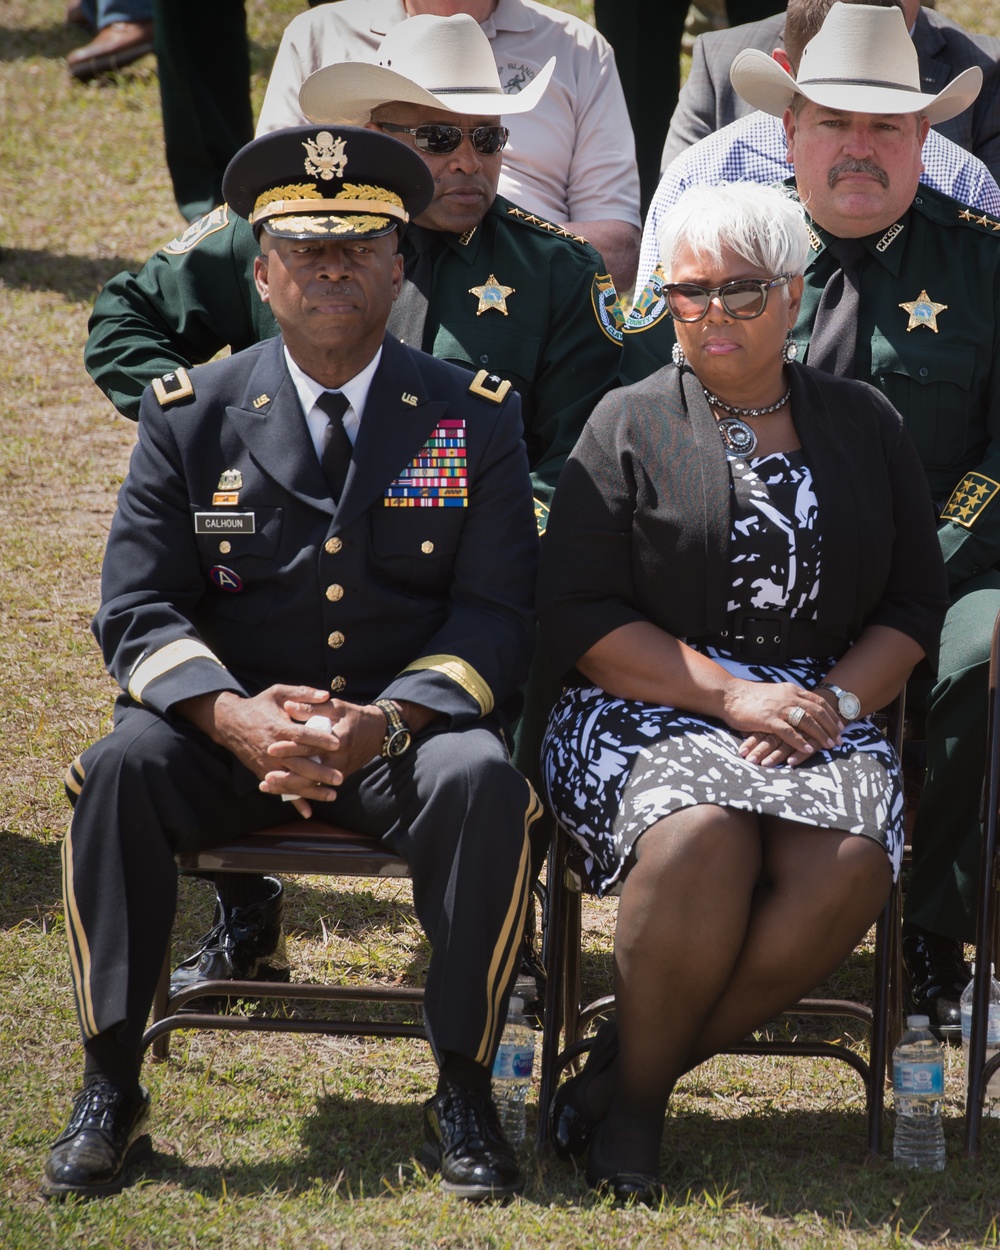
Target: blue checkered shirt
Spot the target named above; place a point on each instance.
(752, 149)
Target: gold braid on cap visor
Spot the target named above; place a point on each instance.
(304, 198)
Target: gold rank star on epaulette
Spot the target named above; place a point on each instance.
(172, 386)
(980, 219)
(542, 224)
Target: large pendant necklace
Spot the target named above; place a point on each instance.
(737, 437)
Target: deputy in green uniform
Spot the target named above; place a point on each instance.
(904, 291)
(508, 295)
(515, 299)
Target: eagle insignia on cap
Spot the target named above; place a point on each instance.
(326, 156)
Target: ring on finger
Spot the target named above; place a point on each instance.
(795, 716)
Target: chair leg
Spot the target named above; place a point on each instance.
(160, 1048)
(887, 972)
(986, 917)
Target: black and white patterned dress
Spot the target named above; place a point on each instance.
(614, 767)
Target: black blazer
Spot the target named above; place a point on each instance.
(640, 522)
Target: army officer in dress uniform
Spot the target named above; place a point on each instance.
(367, 510)
(487, 286)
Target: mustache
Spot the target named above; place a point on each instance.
(858, 167)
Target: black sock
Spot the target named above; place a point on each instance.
(105, 1056)
(242, 889)
(465, 1072)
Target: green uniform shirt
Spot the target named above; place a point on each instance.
(555, 334)
(938, 365)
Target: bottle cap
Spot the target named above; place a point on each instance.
(516, 1005)
(917, 1022)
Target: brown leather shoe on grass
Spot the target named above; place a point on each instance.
(115, 46)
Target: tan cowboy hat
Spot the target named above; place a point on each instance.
(443, 62)
(862, 61)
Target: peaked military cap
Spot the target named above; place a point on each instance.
(343, 182)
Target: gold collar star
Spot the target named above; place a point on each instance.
(491, 294)
(923, 312)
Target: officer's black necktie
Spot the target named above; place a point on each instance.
(409, 312)
(337, 448)
(835, 328)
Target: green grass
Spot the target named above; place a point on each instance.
(292, 1143)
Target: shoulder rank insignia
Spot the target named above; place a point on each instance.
(967, 214)
(969, 498)
(542, 224)
(490, 386)
(172, 386)
(923, 312)
(217, 219)
(491, 294)
(607, 307)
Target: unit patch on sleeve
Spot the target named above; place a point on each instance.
(437, 477)
(607, 307)
(969, 498)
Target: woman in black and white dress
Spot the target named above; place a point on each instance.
(739, 568)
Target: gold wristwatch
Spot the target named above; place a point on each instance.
(398, 737)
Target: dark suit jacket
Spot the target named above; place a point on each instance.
(432, 604)
(708, 102)
(640, 522)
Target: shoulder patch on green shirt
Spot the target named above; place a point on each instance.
(217, 219)
(607, 307)
(969, 499)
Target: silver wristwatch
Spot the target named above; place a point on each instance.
(848, 705)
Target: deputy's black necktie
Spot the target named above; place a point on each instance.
(337, 448)
(409, 312)
(835, 329)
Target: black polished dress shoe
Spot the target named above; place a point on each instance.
(101, 1141)
(636, 1187)
(465, 1143)
(936, 976)
(244, 944)
(570, 1125)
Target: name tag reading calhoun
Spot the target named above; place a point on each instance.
(224, 523)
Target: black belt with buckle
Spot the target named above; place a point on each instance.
(772, 636)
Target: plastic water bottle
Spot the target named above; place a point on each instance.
(992, 1105)
(512, 1070)
(918, 1086)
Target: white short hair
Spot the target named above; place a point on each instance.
(763, 224)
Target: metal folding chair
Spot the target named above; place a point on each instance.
(567, 1019)
(300, 847)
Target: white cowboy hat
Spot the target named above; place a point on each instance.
(862, 61)
(443, 62)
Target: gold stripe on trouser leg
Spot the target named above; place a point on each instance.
(79, 947)
(514, 922)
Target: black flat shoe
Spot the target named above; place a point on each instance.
(570, 1125)
(625, 1187)
(102, 1140)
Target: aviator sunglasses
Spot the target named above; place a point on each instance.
(744, 299)
(439, 139)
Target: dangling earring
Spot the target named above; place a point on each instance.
(790, 350)
(677, 356)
